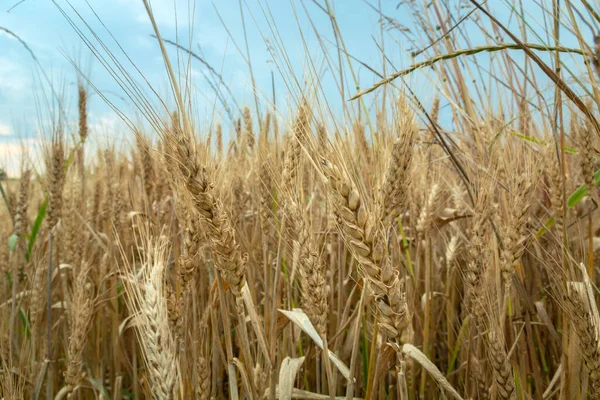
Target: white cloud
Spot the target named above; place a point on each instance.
(108, 130)
(164, 12)
(12, 77)
(106, 123)
(145, 42)
(13, 152)
(5, 129)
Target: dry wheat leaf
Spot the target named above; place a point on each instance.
(129, 322)
(287, 376)
(243, 374)
(589, 292)
(19, 296)
(541, 312)
(256, 323)
(300, 319)
(416, 354)
(60, 305)
(385, 358)
(306, 395)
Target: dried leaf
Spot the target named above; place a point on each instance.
(416, 354)
(300, 319)
(287, 376)
(306, 395)
(256, 324)
(384, 363)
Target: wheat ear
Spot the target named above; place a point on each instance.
(501, 366)
(146, 296)
(364, 240)
(230, 263)
(397, 176)
(80, 315)
(314, 288)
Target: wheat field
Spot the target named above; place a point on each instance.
(403, 250)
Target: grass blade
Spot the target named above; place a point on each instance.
(36, 228)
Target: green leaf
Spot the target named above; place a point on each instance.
(528, 138)
(457, 346)
(572, 201)
(36, 228)
(581, 192)
(538, 141)
(25, 322)
(577, 196)
(597, 178)
(120, 287)
(71, 157)
(12, 242)
(542, 231)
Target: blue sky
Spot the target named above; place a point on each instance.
(24, 90)
(40, 24)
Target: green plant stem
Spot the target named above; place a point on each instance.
(465, 52)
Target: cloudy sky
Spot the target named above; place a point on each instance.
(30, 89)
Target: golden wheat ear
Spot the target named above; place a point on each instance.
(146, 297)
(81, 312)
